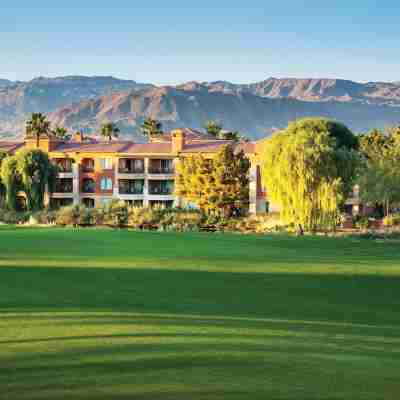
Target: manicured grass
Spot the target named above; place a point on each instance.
(102, 314)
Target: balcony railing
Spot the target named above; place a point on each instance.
(161, 170)
(131, 166)
(126, 170)
(130, 190)
(130, 186)
(160, 190)
(64, 186)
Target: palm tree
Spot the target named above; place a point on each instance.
(213, 128)
(37, 125)
(151, 128)
(109, 130)
(61, 133)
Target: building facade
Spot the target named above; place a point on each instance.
(93, 172)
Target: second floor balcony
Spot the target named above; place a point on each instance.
(131, 166)
(164, 166)
(131, 186)
(161, 188)
(64, 185)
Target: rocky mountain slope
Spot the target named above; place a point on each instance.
(193, 104)
(19, 99)
(254, 109)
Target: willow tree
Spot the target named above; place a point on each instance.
(11, 181)
(31, 172)
(3, 155)
(216, 185)
(309, 169)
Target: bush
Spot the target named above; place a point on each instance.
(13, 217)
(361, 222)
(391, 220)
(76, 215)
(179, 220)
(115, 213)
(45, 217)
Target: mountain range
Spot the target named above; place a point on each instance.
(256, 110)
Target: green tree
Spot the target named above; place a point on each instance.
(379, 179)
(11, 181)
(37, 125)
(61, 133)
(109, 131)
(309, 169)
(3, 155)
(151, 128)
(215, 185)
(30, 171)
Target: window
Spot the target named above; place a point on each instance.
(106, 183)
(106, 163)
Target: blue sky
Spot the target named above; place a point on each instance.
(173, 41)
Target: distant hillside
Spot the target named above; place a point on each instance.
(254, 109)
(193, 104)
(19, 99)
(317, 90)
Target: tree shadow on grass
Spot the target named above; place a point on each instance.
(370, 300)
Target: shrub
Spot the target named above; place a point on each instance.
(361, 222)
(13, 217)
(68, 215)
(115, 213)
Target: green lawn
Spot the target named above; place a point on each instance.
(102, 314)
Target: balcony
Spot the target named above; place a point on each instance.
(161, 188)
(87, 165)
(130, 166)
(64, 185)
(161, 167)
(88, 186)
(131, 186)
(64, 165)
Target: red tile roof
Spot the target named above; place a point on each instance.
(10, 147)
(190, 134)
(206, 146)
(94, 147)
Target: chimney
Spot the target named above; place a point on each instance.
(78, 137)
(178, 140)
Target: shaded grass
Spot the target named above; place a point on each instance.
(115, 314)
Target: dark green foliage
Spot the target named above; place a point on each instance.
(61, 133)
(379, 179)
(11, 180)
(37, 125)
(29, 171)
(151, 128)
(109, 131)
(36, 174)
